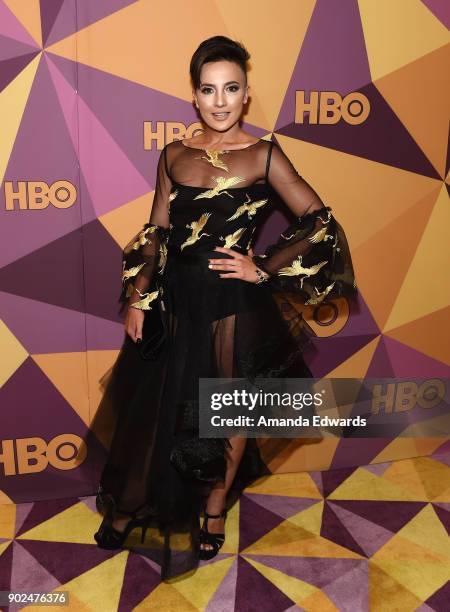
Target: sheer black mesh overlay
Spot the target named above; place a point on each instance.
(198, 324)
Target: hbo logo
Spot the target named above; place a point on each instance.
(37, 195)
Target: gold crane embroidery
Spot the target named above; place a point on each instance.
(196, 227)
(126, 274)
(251, 236)
(142, 237)
(296, 268)
(162, 257)
(212, 157)
(222, 185)
(248, 207)
(172, 197)
(320, 295)
(233, 238)
(144, 304)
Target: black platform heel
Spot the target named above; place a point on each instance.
(215, 540)
(110, 538)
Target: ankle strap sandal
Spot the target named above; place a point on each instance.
(215, 540)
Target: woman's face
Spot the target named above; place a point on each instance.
(222, 94)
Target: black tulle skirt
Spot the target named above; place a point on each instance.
(204, 326)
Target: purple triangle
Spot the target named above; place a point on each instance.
(42, 122)
(255, 592)
(134, 591)
(350, 591)
(392, 515)
(70, 19)
(28, 574)
(225, 595)
(10, 68)
(370, 537)
(334, 530)
(439, 600)
(6, 561)
(10, 48)
(333, 478)
(80, 558)
(316, 571)
(441, 10)
(333, 58)
(49, 12)
(356, 452)
(281, 505)
(44, 510)
(75, 260)
(407, 361)
(254, 522)
(444, 517)
(51, 416)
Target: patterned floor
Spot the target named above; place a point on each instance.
(356, 539)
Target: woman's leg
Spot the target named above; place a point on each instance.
(217, 497)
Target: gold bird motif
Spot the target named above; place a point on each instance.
(296, 268)
(162, 257)
(233, 238)
(144, 304)
(126, 274)
(142, 237)
(212, 157)
(222, 185)
(196, 227)
(172, 197)
(320, 295)
(248, 207)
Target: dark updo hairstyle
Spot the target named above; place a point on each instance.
(214, 49)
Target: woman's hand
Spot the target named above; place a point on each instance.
(134, 323)
(241, 266)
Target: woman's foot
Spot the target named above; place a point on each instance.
(215, 525)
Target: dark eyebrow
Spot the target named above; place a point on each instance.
(211, 85)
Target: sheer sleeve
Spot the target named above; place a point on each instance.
(144, 257)
(311, 258)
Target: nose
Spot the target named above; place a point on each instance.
(220, 102)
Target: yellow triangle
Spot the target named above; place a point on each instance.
(384, 588)
(199, 588)
(363, 485)
(291, 485)
(75, 525)
(125, 221)
(309, 519)
(12, 105)
(356, 365)
(427, 285)
(399, 23)
(100, 587)
(73, 388)
(421, 475)
(12, 355)
(426, 530)
(415, 567)
(7, 520)
(295, 589)
(165, 597)
(287, 539)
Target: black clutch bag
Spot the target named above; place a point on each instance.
(154, 332)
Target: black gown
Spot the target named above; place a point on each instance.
(198, 324)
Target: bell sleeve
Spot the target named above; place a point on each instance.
(311, 257)
(144, 257)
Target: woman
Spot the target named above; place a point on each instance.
(200, 304)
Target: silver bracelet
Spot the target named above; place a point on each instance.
(261, 277)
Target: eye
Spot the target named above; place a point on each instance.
(206, 89)
(234, 88)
